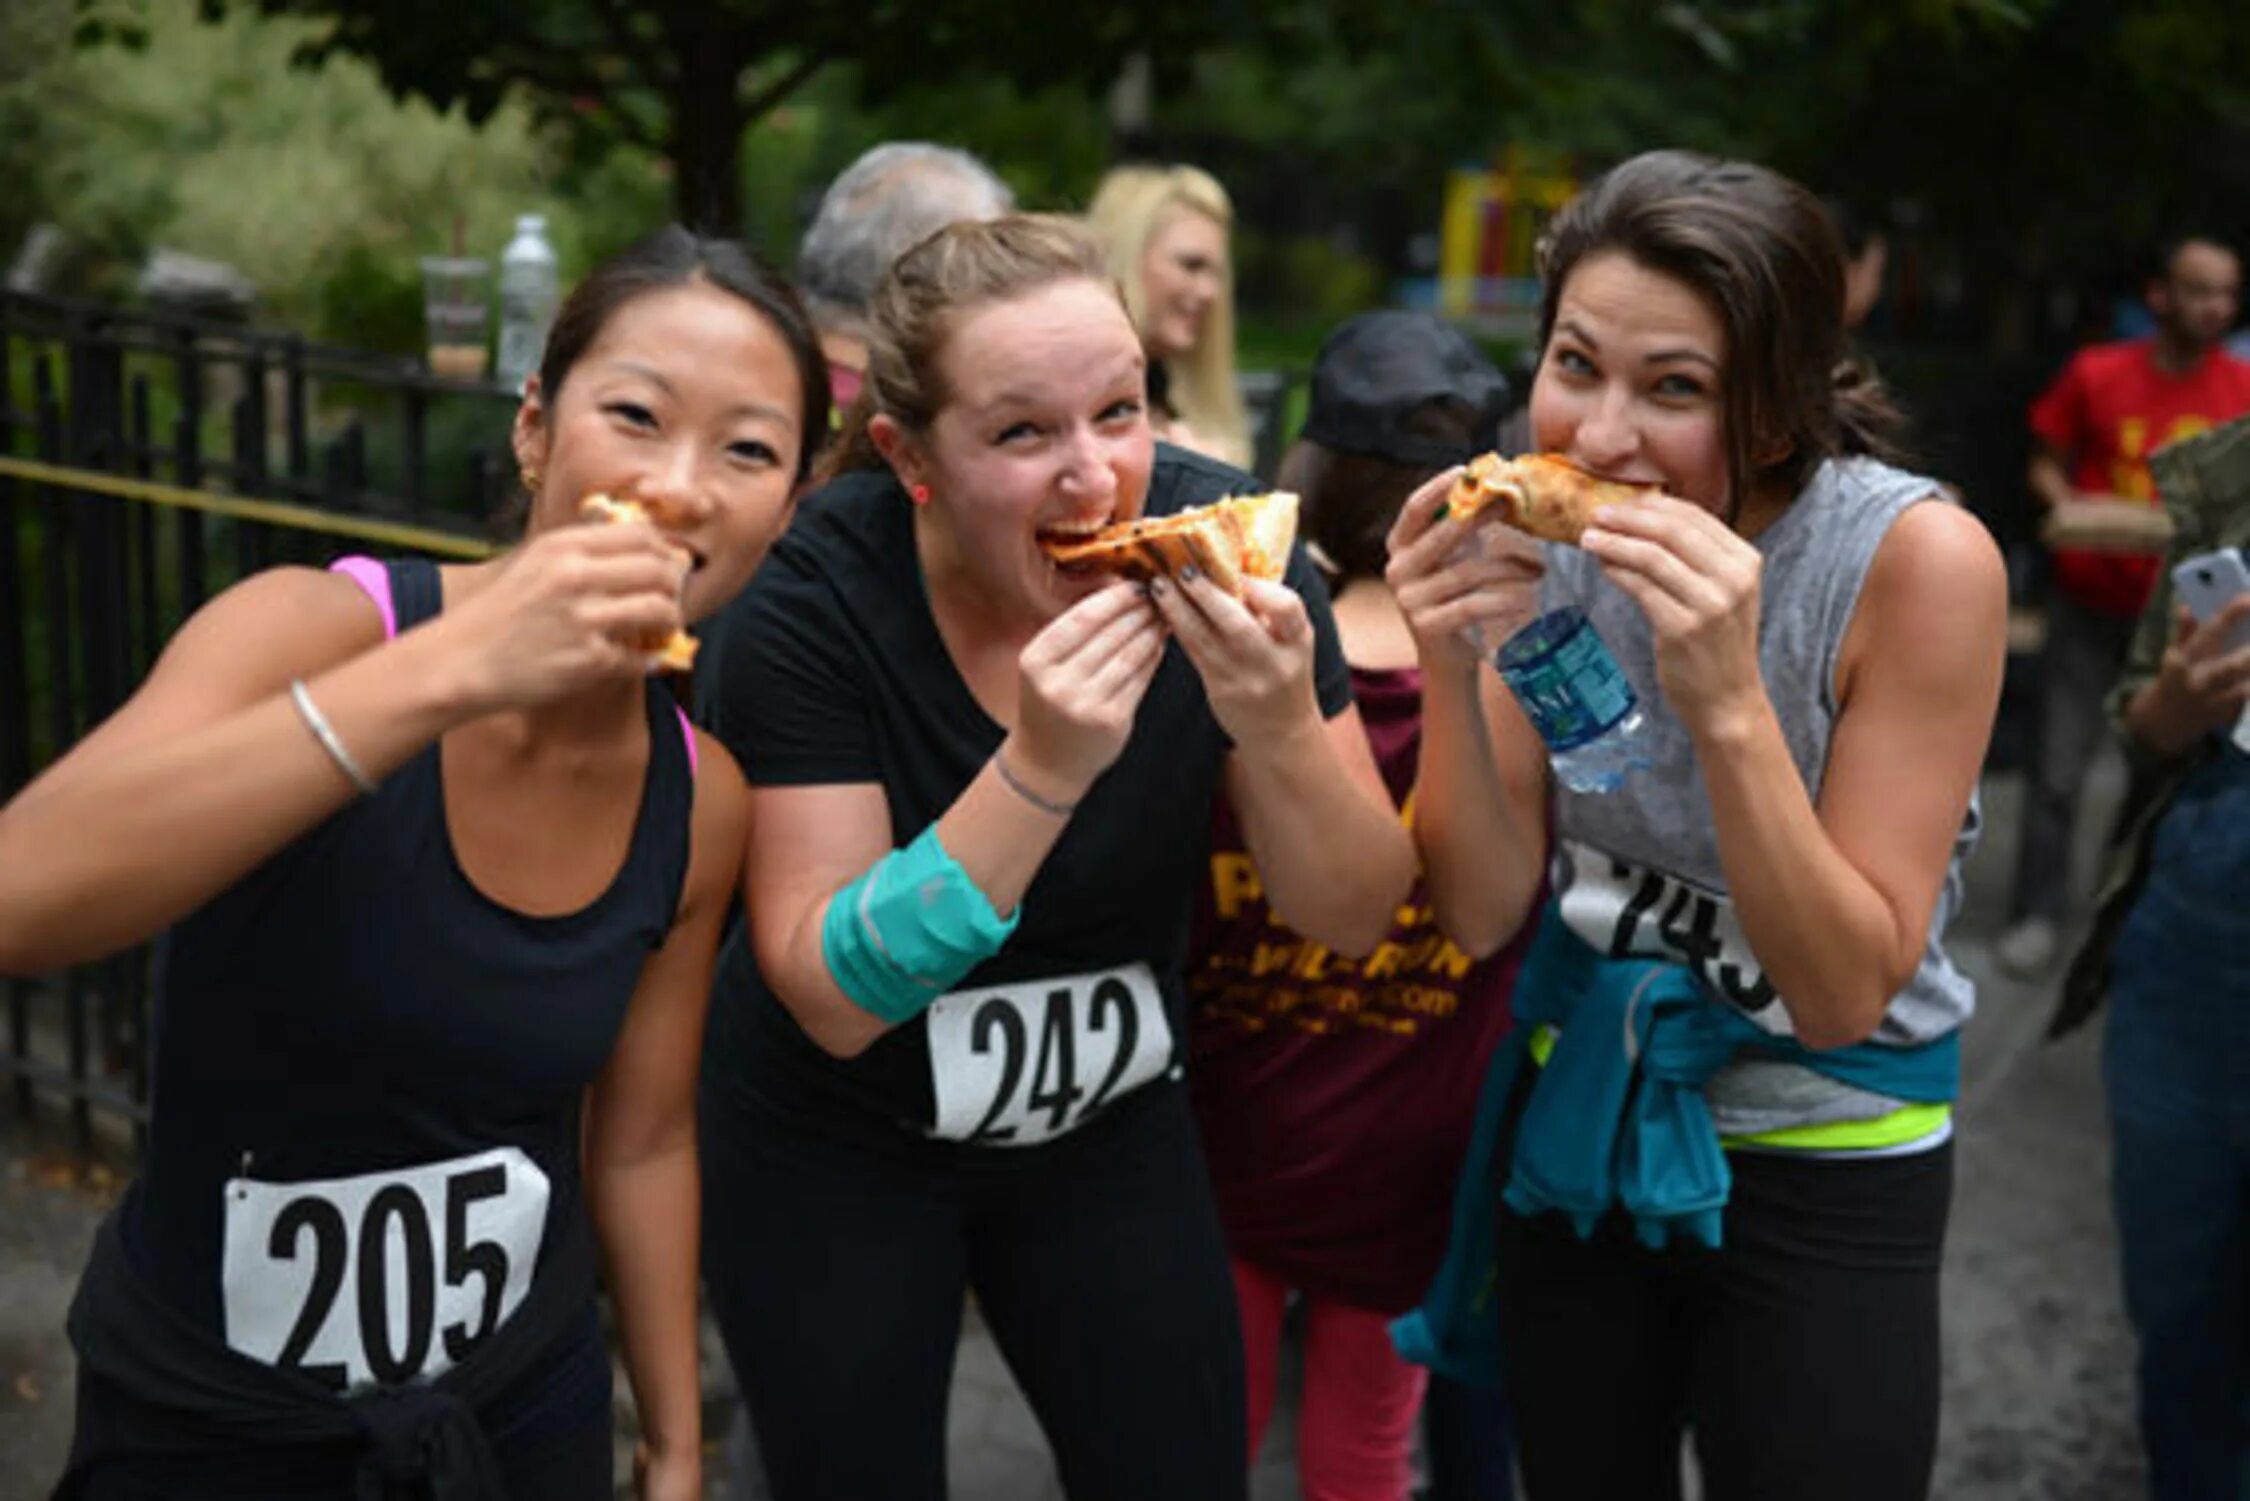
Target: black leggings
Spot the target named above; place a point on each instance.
(837, 1276)
(1803, 1356)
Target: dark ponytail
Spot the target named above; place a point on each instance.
(1868, 420)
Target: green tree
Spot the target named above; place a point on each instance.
(317, 185)
(686, 78)
(2032, 144)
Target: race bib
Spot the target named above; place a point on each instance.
(385, 1278)
(1631, 912)
(1017, 1064)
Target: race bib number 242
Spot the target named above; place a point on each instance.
(1013, 1065)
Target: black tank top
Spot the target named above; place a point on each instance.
(368, 1073)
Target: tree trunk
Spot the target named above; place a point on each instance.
(707, 125)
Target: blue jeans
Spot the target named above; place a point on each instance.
(2177, 1066)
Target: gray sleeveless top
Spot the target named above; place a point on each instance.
(1636, 871)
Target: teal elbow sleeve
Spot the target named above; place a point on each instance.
(908, 930)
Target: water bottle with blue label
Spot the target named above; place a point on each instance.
(1578, 698)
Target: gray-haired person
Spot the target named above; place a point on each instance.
(895, 195)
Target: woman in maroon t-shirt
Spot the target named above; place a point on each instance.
(1335, 1094)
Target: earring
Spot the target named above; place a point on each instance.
(530, 480)
(919, 494)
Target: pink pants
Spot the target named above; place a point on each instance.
(1355, 1428)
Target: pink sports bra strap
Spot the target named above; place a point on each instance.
(687, 731)
(372, 576)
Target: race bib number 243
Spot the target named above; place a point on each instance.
(1012, 1065)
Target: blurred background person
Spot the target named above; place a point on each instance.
(1166, 231)
(2171, 946)
(1335, 1095)
(875, 210)
(1867, 257)
(2113, 406)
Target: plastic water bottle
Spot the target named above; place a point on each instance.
(529, 287)
(1578, 698)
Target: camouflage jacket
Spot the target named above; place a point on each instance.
(2204, 482)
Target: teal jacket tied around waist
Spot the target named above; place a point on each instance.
(1616, 1120)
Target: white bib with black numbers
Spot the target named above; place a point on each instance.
(1013, 1065)
(1631, 911)
(384, 1278)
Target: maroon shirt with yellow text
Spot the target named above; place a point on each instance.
(1336, 1095)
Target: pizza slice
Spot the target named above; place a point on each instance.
(1548, 497)
(1243, 536)
(676, 653)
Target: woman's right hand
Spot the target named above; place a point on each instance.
(1079, 685)
(569, 609)
(1464, 586)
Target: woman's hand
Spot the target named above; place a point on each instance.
(1254, 654)
(1079, 684)
(1697, 582)
(2200, 686)
(669, 1475)
(571, 608)
(1464, 586)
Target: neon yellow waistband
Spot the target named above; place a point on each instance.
(1906, 1124)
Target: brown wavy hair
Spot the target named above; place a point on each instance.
(1764, 256)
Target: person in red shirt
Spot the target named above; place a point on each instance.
(1335, 1096)
(2112, 407)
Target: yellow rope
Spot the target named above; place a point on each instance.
(269, 512)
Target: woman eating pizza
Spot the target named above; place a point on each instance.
(946, 1055)
(441, 871)
(1725, 1160)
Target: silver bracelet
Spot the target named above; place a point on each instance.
(326, 734)
(1015, 785)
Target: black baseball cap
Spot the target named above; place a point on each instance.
(1407, 387)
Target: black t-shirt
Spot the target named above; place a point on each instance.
(829, 669)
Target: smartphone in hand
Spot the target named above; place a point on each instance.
(2205, 583)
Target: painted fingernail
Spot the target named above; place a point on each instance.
(1190, 574)
(1158, 585)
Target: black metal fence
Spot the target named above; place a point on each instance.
(147, 461)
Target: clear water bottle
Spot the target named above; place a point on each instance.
(1578, 698)
(529, 289)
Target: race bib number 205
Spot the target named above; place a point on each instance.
(1013, 1065)
(384, 1278)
